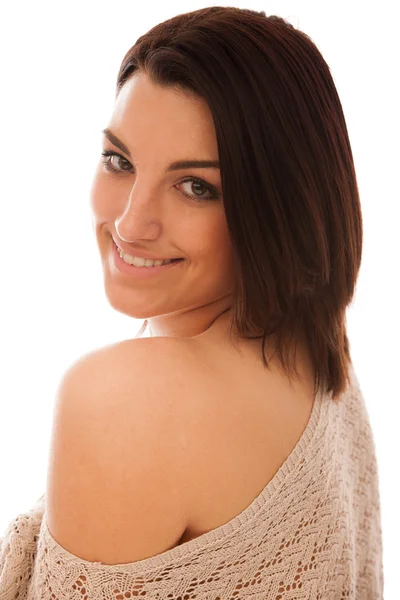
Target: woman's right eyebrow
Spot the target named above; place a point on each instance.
(114, 140)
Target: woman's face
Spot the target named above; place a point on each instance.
(144, 209)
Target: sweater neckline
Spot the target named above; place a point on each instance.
(301, 451)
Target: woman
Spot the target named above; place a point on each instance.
(229, 454)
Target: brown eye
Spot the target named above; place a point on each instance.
(195, 184)
(109, 155)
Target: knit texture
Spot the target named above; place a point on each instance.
(313, 533)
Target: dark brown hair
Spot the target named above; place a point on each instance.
(288, 179)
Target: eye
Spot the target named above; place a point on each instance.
(213, 192)
(108, 155)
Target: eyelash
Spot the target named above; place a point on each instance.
(215, 195)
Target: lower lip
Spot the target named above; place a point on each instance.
(142, 272)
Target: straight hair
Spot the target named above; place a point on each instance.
(289, 185)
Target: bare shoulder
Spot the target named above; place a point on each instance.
(146, 376)
(144, 365)
(116, 453)
(161, 440)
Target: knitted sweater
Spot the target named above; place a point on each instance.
(314, 532)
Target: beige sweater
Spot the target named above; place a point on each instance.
(313, 533)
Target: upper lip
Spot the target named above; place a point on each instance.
(140, 253)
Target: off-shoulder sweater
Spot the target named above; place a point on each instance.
(313, 533)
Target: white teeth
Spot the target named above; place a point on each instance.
(141, 262)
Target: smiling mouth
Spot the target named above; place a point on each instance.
(121, 252)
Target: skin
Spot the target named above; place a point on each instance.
(144, 207)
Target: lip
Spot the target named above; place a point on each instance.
(140, 254)
(139, 272)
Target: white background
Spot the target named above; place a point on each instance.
(58, 69)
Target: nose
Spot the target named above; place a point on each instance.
(139, 219)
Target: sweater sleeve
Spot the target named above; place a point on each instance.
(18, 549)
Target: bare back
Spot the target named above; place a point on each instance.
(242, 420)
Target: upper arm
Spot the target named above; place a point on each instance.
(114, 483)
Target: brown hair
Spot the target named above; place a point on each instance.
(289, 185)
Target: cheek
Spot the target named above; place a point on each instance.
(100, 196)
(225, 259)
(215, 247)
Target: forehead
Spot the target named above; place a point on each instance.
(144, 110)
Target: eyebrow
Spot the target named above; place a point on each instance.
(175, 166)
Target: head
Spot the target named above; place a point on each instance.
(152, 204)
(274, 234)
